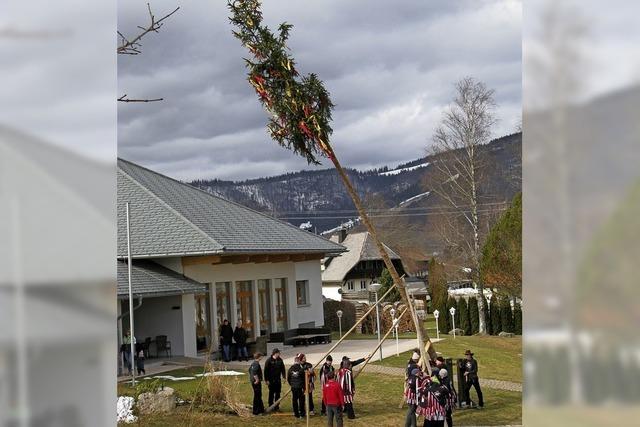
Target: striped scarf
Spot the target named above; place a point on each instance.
(429, 405)
(346, 383)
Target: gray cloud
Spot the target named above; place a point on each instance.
(390, 67)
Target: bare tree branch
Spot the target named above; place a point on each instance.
(132, 47)
(124, 98)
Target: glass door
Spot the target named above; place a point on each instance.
(244, 304)
(223, 302)
(280, 293)
(264, 298)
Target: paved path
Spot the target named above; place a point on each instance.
(484, 382)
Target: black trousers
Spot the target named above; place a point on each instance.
(348, 408)
(258, 405)
(433, 423)
(297, 396)
(274, 393)
(449, 418)
(311, 406)
(476, 384)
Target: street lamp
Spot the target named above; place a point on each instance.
(339, 314)
(375, 287)
(436, 314)
(395, 323)
(452, 310)
(392, 312)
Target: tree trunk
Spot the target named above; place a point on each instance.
(423, 338)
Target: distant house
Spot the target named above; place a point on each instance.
(199, 259)
(348, 275)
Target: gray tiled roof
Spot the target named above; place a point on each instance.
(360, 247)
(151, 279)
(169, 217)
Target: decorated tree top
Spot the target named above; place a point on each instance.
(300, 106)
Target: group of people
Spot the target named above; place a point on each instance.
(337, 388)
(228, 335)
(139, 356)
(434, 396)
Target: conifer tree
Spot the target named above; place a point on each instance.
(506, 316)
(465, 319)
(517, 319)
(496, 320)
(474, 315)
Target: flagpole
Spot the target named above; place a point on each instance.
(132, 335)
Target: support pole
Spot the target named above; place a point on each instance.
(364, 316)
(132, 337)
(366, 361)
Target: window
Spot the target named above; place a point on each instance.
(363, 285)
(281, 304)
(350, 285)
(302, 292)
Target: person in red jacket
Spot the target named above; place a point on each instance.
(333, 399)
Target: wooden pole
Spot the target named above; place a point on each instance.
(366, 362)
(423, 339)
(306, 394)
(270, 408)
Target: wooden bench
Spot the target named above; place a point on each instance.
(306, 336)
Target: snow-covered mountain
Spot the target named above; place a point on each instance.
(318, 197)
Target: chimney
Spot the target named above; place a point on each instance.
(342, 234)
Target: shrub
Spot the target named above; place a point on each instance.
(451, 302)
(517, 319)
(474, 316)
(496, 321)
(465, 321)
(348, 315)
(506, 316)
(489, 322)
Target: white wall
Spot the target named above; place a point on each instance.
(188, 310)
(155, 317)
(310, 270)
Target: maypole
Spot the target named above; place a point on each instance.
(300, 109)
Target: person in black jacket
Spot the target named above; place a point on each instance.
(325, 369)
(445, 379)
(308, 367)
(470, 367)
(295, 378)
(255, 374)
(240, 336)
(273, 372)
(226, 337)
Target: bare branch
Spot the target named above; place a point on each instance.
(132, 47)
(124, 98)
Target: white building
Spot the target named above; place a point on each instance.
(199, 259)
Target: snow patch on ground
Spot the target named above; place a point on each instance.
(124, 408)
(408, 169)
(220, 374)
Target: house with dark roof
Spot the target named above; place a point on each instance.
(347, 276)
(198, 259)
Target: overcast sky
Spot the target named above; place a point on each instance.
(389, 66)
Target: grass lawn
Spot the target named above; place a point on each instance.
(377, 400)
(498, 358)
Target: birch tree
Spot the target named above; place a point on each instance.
(465, 126)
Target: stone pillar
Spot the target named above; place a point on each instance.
(213, 322)
(272, 302)
(233, 304)
(188, 308)
(256, 308)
